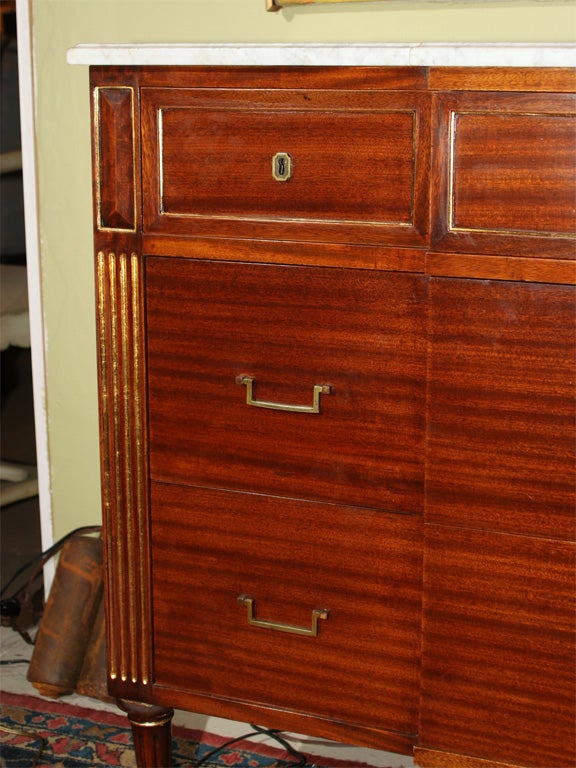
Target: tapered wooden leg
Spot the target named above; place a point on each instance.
(152, 733)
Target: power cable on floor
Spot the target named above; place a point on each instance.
(300, 760)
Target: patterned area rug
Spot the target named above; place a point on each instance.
(74, 737)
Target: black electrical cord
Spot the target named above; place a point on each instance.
(11, 607)
(276, 735)
(48, 553)
(300, 760)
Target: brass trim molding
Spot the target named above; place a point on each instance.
(122, 378)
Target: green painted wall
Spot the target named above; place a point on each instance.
(64, 158)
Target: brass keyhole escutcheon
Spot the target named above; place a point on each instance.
(282, 166)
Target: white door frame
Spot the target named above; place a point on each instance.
(26, 75)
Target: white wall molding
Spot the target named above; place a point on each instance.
(33, 263)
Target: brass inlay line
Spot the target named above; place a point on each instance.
(451, 131)
(143, 585)
(116, 398)
(105, 416)
(281, 219)
(128, 463)
(160, 139)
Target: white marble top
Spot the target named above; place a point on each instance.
(329, 54)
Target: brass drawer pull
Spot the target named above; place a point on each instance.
(317, 614)
(319, 389)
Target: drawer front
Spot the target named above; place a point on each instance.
(499, 647)
(502, 407)
(504, 167)
(210, 548)
(308, 165)
(214, 326)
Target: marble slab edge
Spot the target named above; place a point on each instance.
(287, 54)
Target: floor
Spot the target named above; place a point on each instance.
(13, 679)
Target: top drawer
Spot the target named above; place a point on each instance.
(504, 174)
(326, 165)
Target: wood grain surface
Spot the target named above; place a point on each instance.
(501, 406)
(291, 557)
(498, 674)
(361, 332)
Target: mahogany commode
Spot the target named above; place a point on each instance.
(336, 317)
